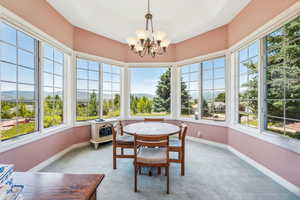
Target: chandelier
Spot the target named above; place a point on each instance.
(148, 41)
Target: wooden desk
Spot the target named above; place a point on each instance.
(56, 186)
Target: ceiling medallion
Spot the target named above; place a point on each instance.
(148, 41)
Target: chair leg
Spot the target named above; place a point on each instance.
(159, 170)
(140, 170)
(135, 178)
(114, 158)
(168, 180)
(122, 151)
(182, 164)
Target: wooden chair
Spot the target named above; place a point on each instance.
(178, 145)
(121, 141)
(151, 151)
(154, 119)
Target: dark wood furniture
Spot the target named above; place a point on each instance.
(50, 186)
(178, 145)
(154, 119)
(151, 151)
(122, 142)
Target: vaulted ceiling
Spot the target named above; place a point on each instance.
(118, 19)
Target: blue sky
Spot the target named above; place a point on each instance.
(144, 80)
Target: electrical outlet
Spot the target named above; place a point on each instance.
(198, 134)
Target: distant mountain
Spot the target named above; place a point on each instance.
(25, 95)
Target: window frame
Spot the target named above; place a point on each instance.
(199, 62)
(259, 85)
(41, 84)
(40, 131)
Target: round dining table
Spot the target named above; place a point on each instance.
(151, 128)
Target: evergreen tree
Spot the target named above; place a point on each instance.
(162, 103)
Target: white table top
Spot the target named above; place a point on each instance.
(151, 128)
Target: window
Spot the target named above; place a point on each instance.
(88, 84)
(190, 91)
(150, 91)
(282, 69)
(18, 94)
(53, 78)
(111, 91)
(213, 89)
(248, 87)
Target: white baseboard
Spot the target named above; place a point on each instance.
(278, 179)
(52, 159)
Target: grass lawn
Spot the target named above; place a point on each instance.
(21, 129)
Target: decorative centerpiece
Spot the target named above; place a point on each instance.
(9, 191)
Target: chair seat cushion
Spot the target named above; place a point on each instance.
(174, 142)
(125, 139)
(152, 155)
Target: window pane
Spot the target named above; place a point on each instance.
(58, 56)
(82, 84)
(8, 34)
(58, 81)
(8, 72)
(93, 75)
(26, 75)
(58, 69)
(93, 66)
(25, 42)
(87, 90)
(82, 64)
(292, 129)
(275, 108)
(48, 79)
(93, 85)
(150, 91)
(275, 125)
(248, 79)
(82, 74)
(292, 108)
(53, 93)
(48, 52)
(8, 53)
(26, 92)
(48, 66)
(25, 59)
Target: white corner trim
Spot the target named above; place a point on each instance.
(278, 179)
(57, 156)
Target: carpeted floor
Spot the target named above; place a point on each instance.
(212, 173)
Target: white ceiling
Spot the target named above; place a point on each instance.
(118, 19)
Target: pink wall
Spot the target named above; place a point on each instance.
(29, 155)
(208, 132)
(281, 161)
(94, 44)
(43, 16)
(253, 16)
(209, 42)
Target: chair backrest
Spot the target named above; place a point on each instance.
(154, 119)
(117, 130)
(183, 131)
(161, 141)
